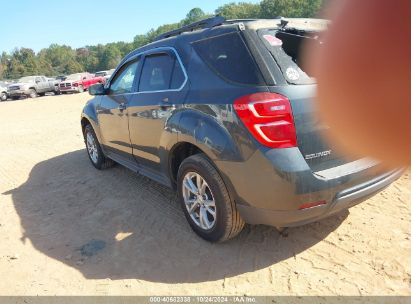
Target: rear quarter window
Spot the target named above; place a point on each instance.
(285, 49)
(228, 56)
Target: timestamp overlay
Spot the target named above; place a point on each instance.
(206, 299)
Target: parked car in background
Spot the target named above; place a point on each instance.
(32, 86)
(61, 78)
(224, 114)
(100, 74)
(3, 91)
(109, 73)
(79, 82)
(106, 74)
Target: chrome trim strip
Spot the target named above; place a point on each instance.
(348, 168)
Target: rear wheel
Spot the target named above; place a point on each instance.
(95, 154)
(32, 93)
(3, 96)
(205, 201)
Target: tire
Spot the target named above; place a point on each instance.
(3, 96)
(41, 94)
(32, 93)
(80, 89)
(226, 222)
(95, 154)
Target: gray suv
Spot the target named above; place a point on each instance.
(222, 111)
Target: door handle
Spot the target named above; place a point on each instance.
(122, 106)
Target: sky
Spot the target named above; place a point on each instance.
(38, 23)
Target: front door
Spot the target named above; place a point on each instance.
(112, 112)
(161, 91)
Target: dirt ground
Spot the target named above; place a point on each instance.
(68, 229)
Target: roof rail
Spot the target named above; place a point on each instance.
(202, 24)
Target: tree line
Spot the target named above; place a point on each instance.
(63, 59)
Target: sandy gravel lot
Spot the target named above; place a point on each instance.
(57, 211)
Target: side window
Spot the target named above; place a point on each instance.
(229, 57)
(123, 81)
(161, 72)
(38, 79)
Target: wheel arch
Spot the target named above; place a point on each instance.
(89, 116)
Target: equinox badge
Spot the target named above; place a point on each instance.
(318, 154)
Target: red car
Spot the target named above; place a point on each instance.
(79, 82)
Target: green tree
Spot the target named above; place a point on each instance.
(241, 10)
(195, 14)
(290, 8)
(111, 57)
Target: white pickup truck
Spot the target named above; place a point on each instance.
(33, 86)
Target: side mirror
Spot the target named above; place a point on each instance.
(97, 89)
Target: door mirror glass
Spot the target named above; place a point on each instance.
(97, 89)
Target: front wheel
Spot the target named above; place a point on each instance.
(205, 201)
(3, 96)
(95, 154)
(80, 89)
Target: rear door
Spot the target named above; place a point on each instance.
(112, 111)
(161, 91)
(41, 84)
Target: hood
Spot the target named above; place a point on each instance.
(20, 84)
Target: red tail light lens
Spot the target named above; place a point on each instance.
(269, 118)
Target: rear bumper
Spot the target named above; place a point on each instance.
(342, 200)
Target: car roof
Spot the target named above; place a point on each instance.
(222, 26)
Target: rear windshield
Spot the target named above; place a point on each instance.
(229, 57)
(285, 47)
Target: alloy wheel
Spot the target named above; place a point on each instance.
(199, 200)
(92, 147)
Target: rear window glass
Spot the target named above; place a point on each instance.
(229, 57)
(285, 48)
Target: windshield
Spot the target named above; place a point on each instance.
(27, 79)
(285, 47)
(74, 77)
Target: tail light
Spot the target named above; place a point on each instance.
(269, 118)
